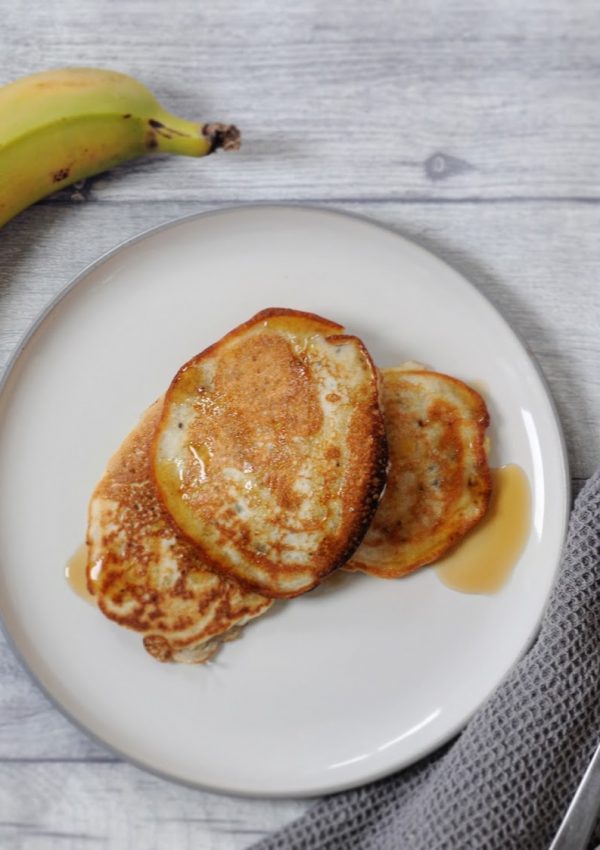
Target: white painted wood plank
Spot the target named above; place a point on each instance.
(58, 806)
(346, 99)
(537, 262)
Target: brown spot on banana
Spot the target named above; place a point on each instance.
(163, 130)
(61, 174)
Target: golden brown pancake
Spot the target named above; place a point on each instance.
(270, 454)
(439, 483)
(145, 575)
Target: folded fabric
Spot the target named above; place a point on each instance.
(507, 780)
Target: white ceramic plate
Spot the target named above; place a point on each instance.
(356, 679)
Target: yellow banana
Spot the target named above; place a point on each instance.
(59, 126)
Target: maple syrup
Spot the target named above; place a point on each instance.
(75, 573)
(483, 561)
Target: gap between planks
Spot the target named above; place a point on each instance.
(339, 199)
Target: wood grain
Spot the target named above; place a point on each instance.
(70, 806)
(471, 127)
(386, 100)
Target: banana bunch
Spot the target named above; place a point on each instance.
(60, 126)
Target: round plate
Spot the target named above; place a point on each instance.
(351, 681)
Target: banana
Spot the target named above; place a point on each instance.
(60, 126)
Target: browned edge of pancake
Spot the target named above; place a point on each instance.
(479, 452)
(378, 458)
(147, 421)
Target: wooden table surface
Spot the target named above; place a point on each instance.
(470, 126)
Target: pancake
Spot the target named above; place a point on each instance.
(439, 483)
(271, 453)
(145, 575)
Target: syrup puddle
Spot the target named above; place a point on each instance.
(483, 561)
(480, 387)
(75, 574)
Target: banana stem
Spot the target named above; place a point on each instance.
(226, 136)
(171, 134)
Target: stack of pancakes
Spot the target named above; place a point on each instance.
(276, 456)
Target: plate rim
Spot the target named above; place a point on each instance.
(563, 459)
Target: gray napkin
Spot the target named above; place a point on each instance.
(507, 780)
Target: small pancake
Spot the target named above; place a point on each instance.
(145, 575)
(439, 483)
(271, 454)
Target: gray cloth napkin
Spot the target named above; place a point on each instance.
(507, 780)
